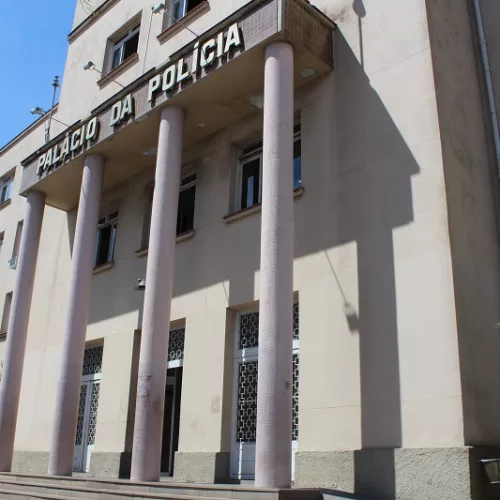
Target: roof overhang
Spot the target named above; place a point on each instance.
(126, 126)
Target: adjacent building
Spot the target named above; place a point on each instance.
(260, 242)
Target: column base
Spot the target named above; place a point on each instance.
(202, 467)
(400, 474)
(30, 462)
(110, 464)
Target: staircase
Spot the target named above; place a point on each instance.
(27, 486)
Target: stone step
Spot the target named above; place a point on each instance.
(46, 490)
(24, 495)
(96, 488)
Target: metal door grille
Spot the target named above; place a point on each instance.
(81, 415)
(249, 330)
(295, 399)
(176, 344)
(92, 361)
(94, 403)
(246, 425)
(296, 321)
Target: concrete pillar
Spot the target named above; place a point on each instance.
(17, 328)
(146, 451)
(274, 391)
(82, 264)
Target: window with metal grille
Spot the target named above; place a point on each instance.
(176, 344)
(92, 360)
(106, 237)
(250, 171)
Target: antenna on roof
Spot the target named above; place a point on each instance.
(55, 84)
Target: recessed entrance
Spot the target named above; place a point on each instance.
(172, 408)
(171, 418)
(87, 409)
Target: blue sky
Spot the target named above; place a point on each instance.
(33, 41)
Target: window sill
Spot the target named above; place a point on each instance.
(180, 238)
(103, 267)
(6, 203)
(3, 336)
(181, 24)
(246, 212)
(109, 77)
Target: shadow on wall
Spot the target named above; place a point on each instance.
(371, 195)
(360, 195)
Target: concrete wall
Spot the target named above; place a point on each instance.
(38, 399)
(471, 190)
(391, 168)
(92, 44)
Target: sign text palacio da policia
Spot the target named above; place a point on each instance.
(203, 55)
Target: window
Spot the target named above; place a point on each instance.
(6, 312)
(1, 241)
(179, 8)
(17, 241)
(106, 236)
(124, 47)
(185, 209)
(250, 185)
(6, 185)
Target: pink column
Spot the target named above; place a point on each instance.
(17, 329)
(82, 263)
(274, 391)
(146, 452)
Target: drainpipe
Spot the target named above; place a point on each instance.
(489, 82)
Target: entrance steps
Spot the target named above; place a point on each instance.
(28, 486)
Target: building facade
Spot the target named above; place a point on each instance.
(263, 247)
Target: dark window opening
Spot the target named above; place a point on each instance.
(106, 236)
(251, 167)
(250, 183)
(6, 312)
(185, 210)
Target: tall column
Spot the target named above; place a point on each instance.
(75, 328)
(17, 328)
(274, 390)
(146, 452)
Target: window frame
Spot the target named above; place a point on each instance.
(149, 192)
(182, 188)
(244, 158)
(118, 45)
(110, 219)
(6, 186)
(17, 240)
(171, 19)
(6, 315)
(185, 10)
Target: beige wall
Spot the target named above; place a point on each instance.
(379, 349)
(471, 188)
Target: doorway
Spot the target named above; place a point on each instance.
(171, 419)
(244, 418)
(87, 409)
